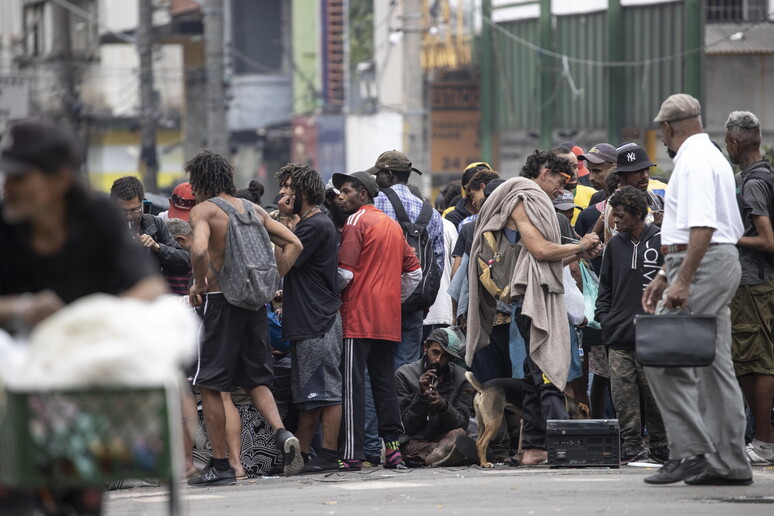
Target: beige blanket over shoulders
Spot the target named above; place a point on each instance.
(538, 285)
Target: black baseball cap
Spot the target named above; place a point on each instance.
(38, 143)
(367, 179)
(632, 158)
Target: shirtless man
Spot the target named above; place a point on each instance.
(234, 348)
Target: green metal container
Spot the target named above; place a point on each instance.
(84, 437)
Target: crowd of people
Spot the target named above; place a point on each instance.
(388, 299)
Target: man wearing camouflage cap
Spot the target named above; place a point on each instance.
(435, 400)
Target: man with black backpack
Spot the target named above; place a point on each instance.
(235, 274)
(752, 308)
(423, 229)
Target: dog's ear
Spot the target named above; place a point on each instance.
(584, 411)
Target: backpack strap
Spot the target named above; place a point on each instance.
(397, 205)
(425, 215)
(762, 173)
(223, 205)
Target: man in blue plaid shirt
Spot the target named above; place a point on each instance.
(392, 170)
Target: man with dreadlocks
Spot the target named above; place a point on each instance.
(234, 349)
(311, 308)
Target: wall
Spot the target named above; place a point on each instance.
(111, 86)
(259, 100)
(740, 83)
(369, 136)
(115, 153)
(305, 20)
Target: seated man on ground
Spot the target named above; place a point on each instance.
(435, 400)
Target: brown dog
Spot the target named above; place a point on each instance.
(495, 397)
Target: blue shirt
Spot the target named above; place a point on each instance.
(413, 205)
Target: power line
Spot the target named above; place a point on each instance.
(606, 64)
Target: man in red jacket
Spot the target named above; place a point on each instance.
(378, 270)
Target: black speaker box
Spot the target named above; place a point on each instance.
(583, 443)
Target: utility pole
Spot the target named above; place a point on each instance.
(487, 94)
(694, 41)
(413, 88)
(149, 162)
(547, 76)
(62, 60)
(217, 130)
(616, 91)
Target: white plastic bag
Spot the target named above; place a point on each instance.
(573, 299)
(110, 341)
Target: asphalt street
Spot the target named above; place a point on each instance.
(469, 491)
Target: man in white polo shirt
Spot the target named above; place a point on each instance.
(702, 407)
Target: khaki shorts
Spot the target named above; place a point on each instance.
(752, 318)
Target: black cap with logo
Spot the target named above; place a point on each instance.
(632, 158)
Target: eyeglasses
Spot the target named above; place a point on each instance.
(133, 210)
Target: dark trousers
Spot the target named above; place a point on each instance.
(542, 400)
(378, 356)
(494, 360)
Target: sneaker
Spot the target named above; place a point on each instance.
(660, 454)
(326, 460)
(760, 453)
(392, 456)
(636, 455)
(350, 465)
(210, 476)
(676, 470)
(463, 453)
(287, 443)
(372, 461)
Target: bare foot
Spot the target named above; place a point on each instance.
(239, 471)
(190, 471)
(534, 456)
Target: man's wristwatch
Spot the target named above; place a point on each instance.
(662, 273)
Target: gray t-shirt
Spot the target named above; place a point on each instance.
(755, 196)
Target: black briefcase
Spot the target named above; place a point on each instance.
(682, 340)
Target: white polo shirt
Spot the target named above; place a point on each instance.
(701, 193)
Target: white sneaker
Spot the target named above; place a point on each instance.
(760, 454)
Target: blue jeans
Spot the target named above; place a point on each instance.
(408, 350)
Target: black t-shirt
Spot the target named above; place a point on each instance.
(598, 196)
(585, 223)
(310, 297)
(98, 256)
(464, 239)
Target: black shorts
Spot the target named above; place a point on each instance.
(234, 347)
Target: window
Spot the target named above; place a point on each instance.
(256, 32)
(735, 11)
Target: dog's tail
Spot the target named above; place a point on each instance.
(472, 381)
